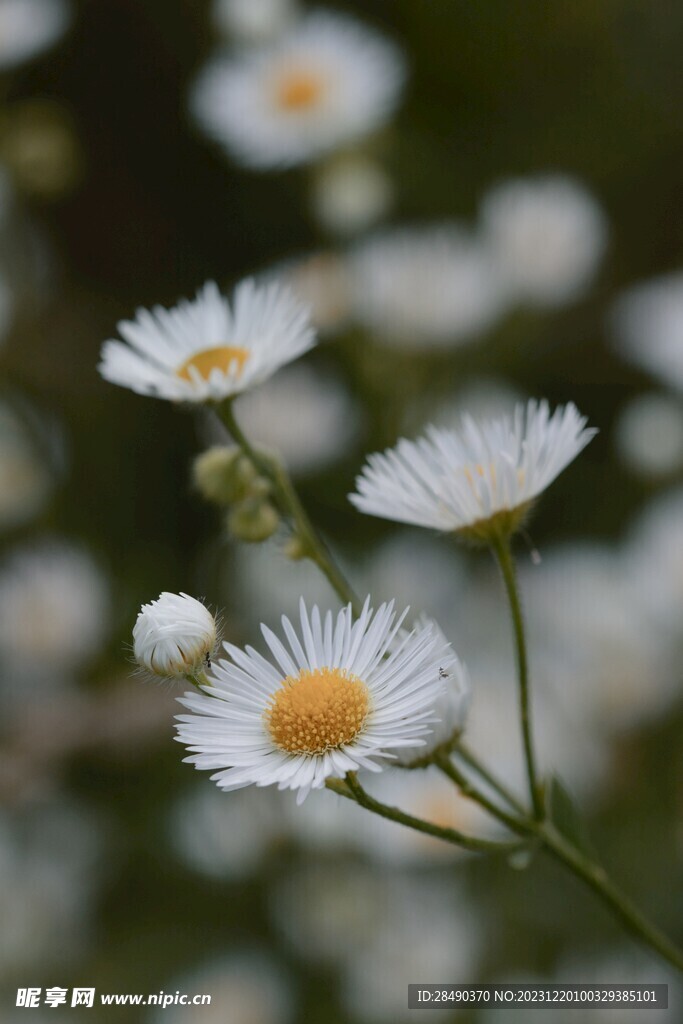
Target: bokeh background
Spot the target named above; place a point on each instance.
(514, 229)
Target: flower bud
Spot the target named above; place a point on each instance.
(174, 636)
(295, 549)
(253, 520)
(222, 474)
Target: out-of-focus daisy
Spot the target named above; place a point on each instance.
(310, 419)
(547, 236)
(565, 746)
(29, 27)
(54, 607)
(262, 584)
(332, 823)
(204, 350)
(324, 909)
(321, 281)
(654, 557)
(247, 987)
(477, 481)
(647, 320)
(327, 82)
(592, 644)
(25, 480)
(50, 852)
(649, 435)
(429, 930)
(343, 697)
(253, 21)
(428, 287)
(174, 636)
(225, 841)
(350, 193)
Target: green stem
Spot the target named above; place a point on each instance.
(468, 789)
(290, 505)
(473, 762)
(592, 874)
(596, 879)
(353, 790)
(501, 548)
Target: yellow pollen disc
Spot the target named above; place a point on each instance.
(317, 710)
(298, 90)
(220, 358)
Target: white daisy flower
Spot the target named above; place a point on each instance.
(451, 707)
(547, 236)
(477, 481)
(28, 27)
(432, 287)
(202, 350)
(323, 84)
(648, 324)
(343, 697)
(174, 636)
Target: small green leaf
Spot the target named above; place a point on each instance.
(567, 819)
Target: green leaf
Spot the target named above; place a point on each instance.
(567, 819)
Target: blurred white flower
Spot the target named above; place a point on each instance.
(591, 642)
(29, 27)
(327, 82)
(428, 931)
(324, 910)
(25, 481)
(253, 21)
(563, 744)
(546, 235)
(418, 571)
(654, 559)
(54, 608)
(328, 705)
(262, 584)
(48, 872)
(335, 824)
(174, 636)
(429, 287)
(309, 418)
(351, 193)
(245, 988)
(321, 282)
(204, 350)
(479, 479)
(649, 435)
(225, 839)
(647, 321)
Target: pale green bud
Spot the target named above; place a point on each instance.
(223, 475)
(253, 520)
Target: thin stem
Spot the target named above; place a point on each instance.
(290, 505)
(473, 762)
(597, 879)
(468, 789)
(353, 790)
(501, 548)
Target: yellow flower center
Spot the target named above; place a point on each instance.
(220, 358)
(298, 89)
(318, 710)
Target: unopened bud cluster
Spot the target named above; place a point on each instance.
(225, 476)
